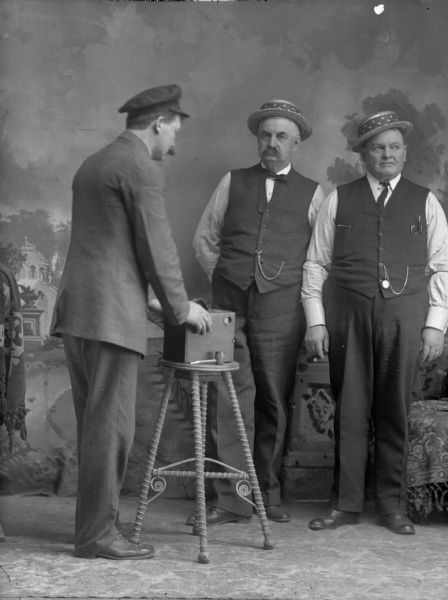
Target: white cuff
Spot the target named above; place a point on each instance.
(437, 317)
(314, 311)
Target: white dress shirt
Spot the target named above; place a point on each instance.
(320, 252)
(207, 238)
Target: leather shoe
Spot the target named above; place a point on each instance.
(218, 516)
(333, 519)
(398, 523)
(122, 549)
(277, 514)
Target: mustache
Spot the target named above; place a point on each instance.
(270, 153)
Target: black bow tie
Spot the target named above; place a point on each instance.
(281, 177)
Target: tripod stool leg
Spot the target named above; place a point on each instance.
(201, 519)
(268, 542)
(151, 459)
(204, 394)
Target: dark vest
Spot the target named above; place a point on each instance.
(374, 250)
(261, 241)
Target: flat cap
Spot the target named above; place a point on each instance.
(163, 97)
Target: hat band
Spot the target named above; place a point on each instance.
(158, 108)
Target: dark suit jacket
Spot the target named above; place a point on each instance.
(121, 241)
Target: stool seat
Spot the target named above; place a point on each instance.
(201, 367)
(200, 374)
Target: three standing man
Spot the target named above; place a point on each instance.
(252, 241)
(375, 294)
(376, 243)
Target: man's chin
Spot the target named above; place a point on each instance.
(270, 162)
(387, 174)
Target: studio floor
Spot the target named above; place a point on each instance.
(362, 562)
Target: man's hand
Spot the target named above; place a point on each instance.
(155, 305)
(199, 318)
(155, 313)
(316, 340)
(431, 345)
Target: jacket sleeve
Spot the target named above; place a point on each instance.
(143, 191)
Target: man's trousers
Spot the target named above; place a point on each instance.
(374, 352)
(104, 382)
(269, 331)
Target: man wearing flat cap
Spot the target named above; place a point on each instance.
(121, 244)
(252, 241)
(380, 245)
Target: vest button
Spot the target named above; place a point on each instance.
(385, 284)
(380, 233)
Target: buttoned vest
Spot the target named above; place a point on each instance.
(380, 250)
(265, 242)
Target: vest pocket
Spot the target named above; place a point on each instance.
(340, 228)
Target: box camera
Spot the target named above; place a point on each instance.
(181, 344)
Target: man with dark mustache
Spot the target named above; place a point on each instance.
(380, 246)
(252, 241)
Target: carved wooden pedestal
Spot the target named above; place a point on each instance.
(309, 455)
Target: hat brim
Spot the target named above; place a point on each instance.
(404, 126)
(260, 115)
(179, 112)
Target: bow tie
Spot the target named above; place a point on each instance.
(282, 177)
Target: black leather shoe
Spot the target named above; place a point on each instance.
(398, 524)
(277, 514)
(218, 516)
(121, 549)
(333, 519)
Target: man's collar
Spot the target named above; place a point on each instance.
(284, 171)
(133, 134)
(374, 182)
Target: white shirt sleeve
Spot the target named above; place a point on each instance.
(207, 237)
(315, 205)
(318, 261)
(437, 264)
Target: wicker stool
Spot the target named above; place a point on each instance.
(200, 375)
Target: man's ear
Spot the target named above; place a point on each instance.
(157, 124)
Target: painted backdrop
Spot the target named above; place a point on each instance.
(66, 67)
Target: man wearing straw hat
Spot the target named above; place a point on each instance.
(380, 245)
(252, 241)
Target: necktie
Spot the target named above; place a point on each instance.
(383, 195)
(282, 178)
